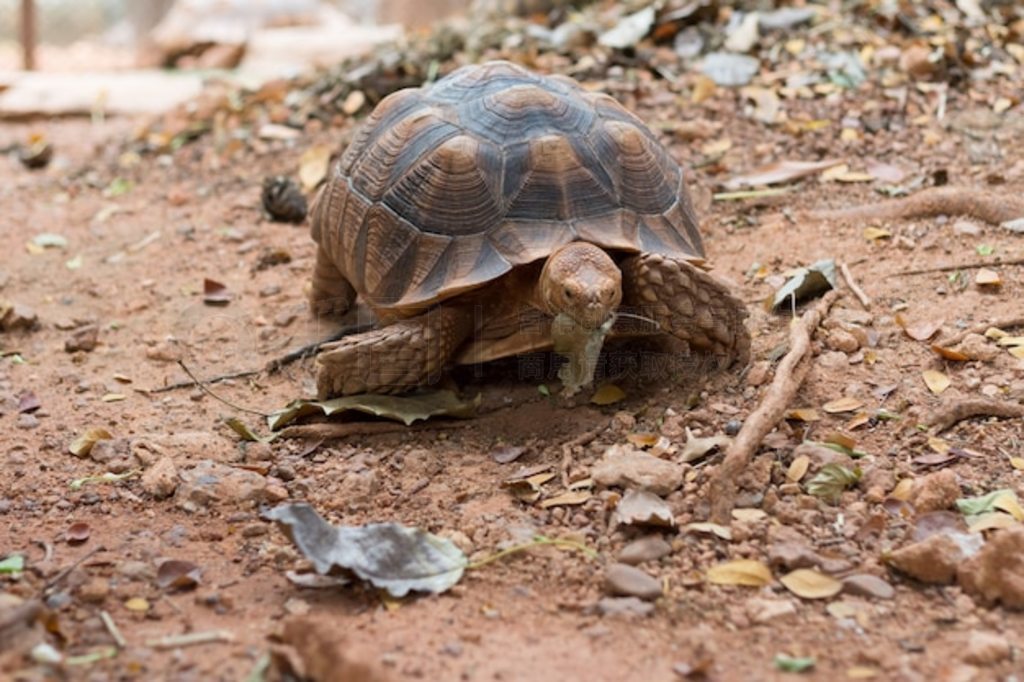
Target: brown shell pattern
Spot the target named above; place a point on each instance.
(445, 188)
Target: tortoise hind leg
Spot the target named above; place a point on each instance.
(688, 303)
(393, 359)
(331, 293)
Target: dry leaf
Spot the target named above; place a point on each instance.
(936, 381)
(82, 446)
(919, 331)
(313, 166)
(780, 172)
(215, 293)
(938, 444)
(609, 394)
(723, 532)
(643, 440)
(740, 572)
(798, 469)
(1017, 463)
(803, 414)
(949, 353)
(697, 447)
(568, 498)
(748, 515)
(992, 521)
(841, 439)
(137, 604)
(844, 404)
(77, 533)
(875, 233)
(988, 278)
(716, 147)
(858, 420)
(902, 490)
(1009, 504)
(808, 584)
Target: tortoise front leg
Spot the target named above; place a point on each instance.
(396, 358)
(688, 303)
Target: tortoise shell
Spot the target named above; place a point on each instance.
(448, 187)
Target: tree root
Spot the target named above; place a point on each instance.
(990, 207)
(950, 414)
(789, 376)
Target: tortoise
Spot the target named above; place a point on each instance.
(465, 211)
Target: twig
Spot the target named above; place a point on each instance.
(311, 348)
(191, 639)
(1006, 323)
(112, 628)
(191, 383)
(579, 441)
(538, 541)
(751, 194)
(950, 414)
(864, 299)
(789, 376)
(271, 367)
(57, 579)
(202, 387)
(960, 266)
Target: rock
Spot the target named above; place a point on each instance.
(628, 607)
(967, 228)
(17, 317)
(621, 579)
(936, 558)
(161, 479)
(761, 610)
(759, 374)
(210, 483)
(935, 492)
(27, 421)
(916, 61)
(83, 338)
(791, 554)
(996, 573)
(977, 347)
(986, 648)
(628, 468)
(867, 585)
(648, 548)
(165, 351)
(94, 590)
(842, 340)
(833, 359)
(184, 446)
(820, 456)
(640, 508)
(110, 449)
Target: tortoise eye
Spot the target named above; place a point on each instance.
(568, 293)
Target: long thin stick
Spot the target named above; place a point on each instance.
(114, 631)
(960, 266)
(864, 299)
(191, 639)
(202, 387)
(789, 377)
(1004, 324)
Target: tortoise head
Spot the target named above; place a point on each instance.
(582, 281)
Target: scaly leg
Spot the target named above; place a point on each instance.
(331, 293)
(688, 303)
(393, 359)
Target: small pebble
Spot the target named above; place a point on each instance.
(622, 579)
